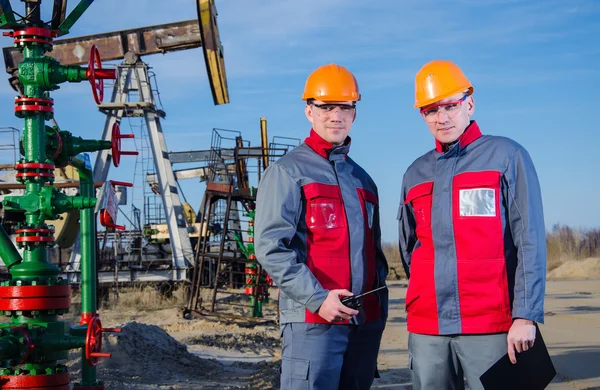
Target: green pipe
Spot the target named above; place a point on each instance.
(62, 202)
(240, 243)
(35, 259)
(40, 74)
(80, 145)
(8, 252)
(64, 343)
(88, 238)
(88, 259)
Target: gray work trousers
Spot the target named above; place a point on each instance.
(441, 362)
(330, 357)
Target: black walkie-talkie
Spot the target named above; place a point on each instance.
(355, 301)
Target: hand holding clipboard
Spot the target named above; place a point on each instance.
(534, 369)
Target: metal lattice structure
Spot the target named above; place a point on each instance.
(9, 146)
(134, 97)
(225, 266)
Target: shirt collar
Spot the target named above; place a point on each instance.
(471, 133)
(324, 148)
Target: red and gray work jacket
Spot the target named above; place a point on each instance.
(472, 237)
(317, 229)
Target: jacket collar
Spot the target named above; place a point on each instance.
(324, 148)
(471, 133)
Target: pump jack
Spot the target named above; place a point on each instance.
(132, 75)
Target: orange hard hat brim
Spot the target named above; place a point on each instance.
(420, 104)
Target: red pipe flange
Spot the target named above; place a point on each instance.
(23, 169)
(41, 235)
(22, 175)
(34, 166)
(32, 34)
(28, 298)
(33, 104)
(36, 382)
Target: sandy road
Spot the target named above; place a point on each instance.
(571, 332)
(161, 350)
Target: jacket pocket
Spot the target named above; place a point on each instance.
(421, 297)
(477, 194)
(324, 207)
(420, 197)
(327, 233)
(477, 216)
(294, 373)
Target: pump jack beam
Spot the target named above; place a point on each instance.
(134, 43)
(142, 41)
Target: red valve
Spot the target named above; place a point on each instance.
(111, 207)
(93, 341)
(116, 145)
(96, 75)
(28, 342)
(107, 221)
(120, 183)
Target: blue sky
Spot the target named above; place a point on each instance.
(534, 66)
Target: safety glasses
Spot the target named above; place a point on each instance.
(327, 110)
(449, 109)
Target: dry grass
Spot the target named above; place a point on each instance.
(145, 298)
(392, 255)
(563, 243)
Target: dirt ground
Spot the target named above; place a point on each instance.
(159, 349)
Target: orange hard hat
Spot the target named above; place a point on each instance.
(438, 80)
(332, 83)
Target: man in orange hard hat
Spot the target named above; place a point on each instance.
(472, 241)
(317, 234)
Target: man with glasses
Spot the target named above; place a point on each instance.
(317, 234)
(472, 241)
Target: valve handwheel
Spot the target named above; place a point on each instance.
(93, 341)
(96, 74)
(116, 144)
(28, 342)
(97, 83)
(116, 138)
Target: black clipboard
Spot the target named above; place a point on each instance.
(534, 369)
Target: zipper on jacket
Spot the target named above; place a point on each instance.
(337, 178)
(451, 192)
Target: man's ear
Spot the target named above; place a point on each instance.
(308, 112)
(471, 105)
(354, 117)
